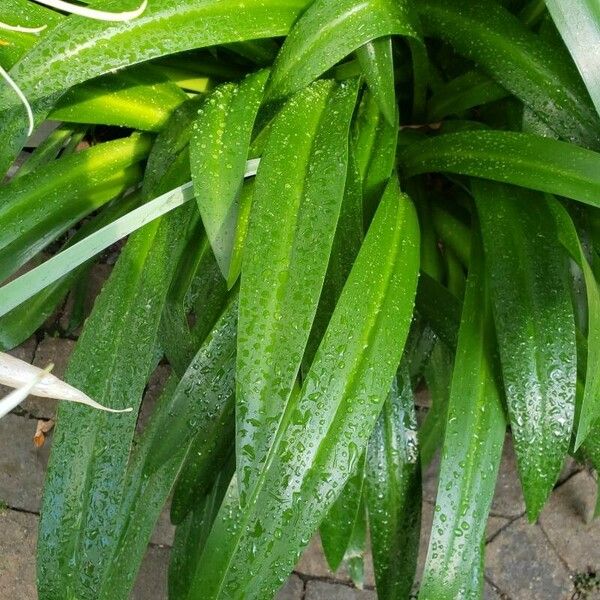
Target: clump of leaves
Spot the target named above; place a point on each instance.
(388, 194)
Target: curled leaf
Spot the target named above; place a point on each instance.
(98, 15)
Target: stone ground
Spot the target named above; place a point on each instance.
(556, 559)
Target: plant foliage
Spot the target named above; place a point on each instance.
(389, 195)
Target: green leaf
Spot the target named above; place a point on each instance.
(191, 535)
(330, 30)
(535, 325)
(578, 22)
(89, 451)
(324, 433)
(590, 401)
(339, 524)
(167, 26)
(140, 98)
(37, 208)
(520, 61)
(377, 64)
(394, 492)
(292, 225)
(462, 93)
(471, 454)
(218, 153)
(374, 141)
(509, 157)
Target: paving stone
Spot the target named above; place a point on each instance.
(489, 593)
(292, 590)
(152, 580)
(321, 590)
(23, 352)
(508, 497)
(567, 521)
(49, 350)
(313, 563)
(494, 525)
(521, 562)
(164, 532)
(17, 549)
(22, 465)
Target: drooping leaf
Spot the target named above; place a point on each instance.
(590, 402)
(534, 320)
(471, 453)
(339, 524)
(578, 22)
(328, 31)
(218, 153)
(520, 61)
(394, 492)
(508, 157)
(292, 225)
(377, 63)
(58, 62)
(325, 432)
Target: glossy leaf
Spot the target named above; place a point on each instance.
(535, 326)
(394, 492)
(37, 208)
(578, 22)
(377, 64)
(324, 433)
(218, 153)
(168, 26)
(524, 64)
(292, 225)
(338, 526)
(519, 158)
(328, 31)
(590, 402)
(471, 453)
(141, 98)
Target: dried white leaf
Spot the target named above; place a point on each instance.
(20, 29)
(21, 96)
(17, 373)
(90, 13)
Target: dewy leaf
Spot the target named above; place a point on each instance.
(394, 492)
(218, 153)
(325, 432)
(509, 157)
(535, 325)
(329, 31)
(14, 293)
(578, 22)
(339, 524)
(59, 62)
(590, 402)
(292, 224)
(471, 453)
(519, 60)
(35, 209)
(140, 98)
(377, 64)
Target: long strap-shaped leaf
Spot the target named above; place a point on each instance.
(579, 24)
(329, 31)
(535, 326)
(471, 454)
(79, 49)
(327, 430)
(394, 492)
(520, 61)
(218, 153)
(297, 197)
(520, 158)
(590, 400)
